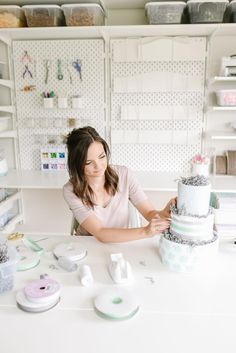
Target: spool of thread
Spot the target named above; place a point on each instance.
(67, 264)
(86, 276)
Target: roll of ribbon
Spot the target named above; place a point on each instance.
(116, 304)
(42, 290)
(72, 251)
(24, 304)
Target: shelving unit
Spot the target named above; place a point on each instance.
(40, 186)
(11, 210)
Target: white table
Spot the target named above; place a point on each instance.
(178, 312)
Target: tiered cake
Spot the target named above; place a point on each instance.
(190, 244)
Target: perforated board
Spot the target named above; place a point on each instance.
(139, 152)
(37, 126)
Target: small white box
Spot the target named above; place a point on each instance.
(226, 97)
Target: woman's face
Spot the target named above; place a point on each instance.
(96, 162)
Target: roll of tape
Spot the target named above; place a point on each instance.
(116, 304)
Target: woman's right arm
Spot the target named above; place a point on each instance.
(116, 235)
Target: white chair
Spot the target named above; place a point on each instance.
(134, 220)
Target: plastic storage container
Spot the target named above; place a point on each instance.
(164, 12)
(206, 11)
(43, 15)
(226, 97)
(83, 14)
(231, 10)
(11, 16)
(8, 270)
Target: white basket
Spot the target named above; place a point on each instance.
(226, 97)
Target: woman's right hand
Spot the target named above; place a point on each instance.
(157, 225)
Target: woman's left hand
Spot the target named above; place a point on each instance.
(166, 212)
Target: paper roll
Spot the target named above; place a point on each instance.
(86, 276)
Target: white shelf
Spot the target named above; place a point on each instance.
(218, 135)
(223, 108)
(150, 181)
(222, 79)
(8, 134)
(7, 108)
(7, 83)
(107, 32)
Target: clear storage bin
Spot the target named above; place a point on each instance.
(11, 16)
(43, 15)
(231, 10)
(165, 12)
(83, 14)
(8, 270)
(206, 11)
(226, 97)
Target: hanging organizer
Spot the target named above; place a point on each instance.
(71, 69)
(157, 102)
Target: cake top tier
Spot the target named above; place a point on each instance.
(197, 180)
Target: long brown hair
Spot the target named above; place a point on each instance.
(78, 142)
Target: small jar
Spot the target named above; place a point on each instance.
(62, 102)
(200, 169)
(48, 103)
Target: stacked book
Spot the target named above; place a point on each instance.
(225, 213)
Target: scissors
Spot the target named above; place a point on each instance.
(27, 70)
(77, 65)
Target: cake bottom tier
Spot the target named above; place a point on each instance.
(188, 257)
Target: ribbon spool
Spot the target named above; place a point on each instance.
(73, 251)
(116, 304)
(39, 295)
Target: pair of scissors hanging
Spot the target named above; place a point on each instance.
(27, 71)
(77, 64)
(26, 58)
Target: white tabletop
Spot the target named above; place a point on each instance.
(178, 312)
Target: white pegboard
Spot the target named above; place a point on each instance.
(126, 62)
(37, 125)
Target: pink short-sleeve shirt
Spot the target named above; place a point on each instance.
(116, 213)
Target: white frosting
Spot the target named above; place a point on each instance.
(187, 258)
(194, 200)
(192, 228)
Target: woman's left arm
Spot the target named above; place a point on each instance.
(149, 212)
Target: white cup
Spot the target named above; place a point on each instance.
(48, 103)
(62, 102)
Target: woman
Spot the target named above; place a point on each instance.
(98, 194)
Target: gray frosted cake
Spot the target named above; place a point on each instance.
(191, 242)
